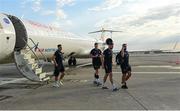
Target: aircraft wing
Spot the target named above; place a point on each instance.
(95, 32)
(111, 31)
(104, 31)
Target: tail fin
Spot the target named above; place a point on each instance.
(103, 31)
(103, 37)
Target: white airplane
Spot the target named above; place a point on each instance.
(26, 42)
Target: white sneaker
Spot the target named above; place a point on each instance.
(99, 82)
(56, 85)
(114, 88)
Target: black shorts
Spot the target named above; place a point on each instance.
(96, 65)
(108, 68)
(125, 69)
(59, 69)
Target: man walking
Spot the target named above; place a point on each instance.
(123, 58)
(107, 64)
(96, 61)
(59, 67)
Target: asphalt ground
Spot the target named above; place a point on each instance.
(154, 85)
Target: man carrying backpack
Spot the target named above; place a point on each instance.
(123, 60)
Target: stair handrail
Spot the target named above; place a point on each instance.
(32, 51)
(36, 46)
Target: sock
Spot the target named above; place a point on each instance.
(114, 86)
(123, 83)
(96, 76)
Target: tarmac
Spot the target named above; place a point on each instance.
(154, 85)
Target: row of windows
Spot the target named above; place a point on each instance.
(46, 32)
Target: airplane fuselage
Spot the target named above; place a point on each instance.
(16, 34)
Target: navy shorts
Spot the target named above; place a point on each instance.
(125, 69)
(108, 68)
(57, 70)
(96, 65)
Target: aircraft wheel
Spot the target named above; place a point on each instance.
(70, 62)
(74, 61)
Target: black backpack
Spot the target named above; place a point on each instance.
(119, 59)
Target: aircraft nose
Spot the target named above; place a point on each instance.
(7, 37)
(6, 47)
(2, 42)
(7, 41)
(2, 49)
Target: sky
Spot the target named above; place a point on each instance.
(146, 24)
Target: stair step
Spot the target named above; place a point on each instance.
(42, 75)
(26, 56)
(30, 61)
(26, 61)
(46, 78)
(33, 66)
(38, 70)
(49, 73)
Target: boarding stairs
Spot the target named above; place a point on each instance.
(29, 64)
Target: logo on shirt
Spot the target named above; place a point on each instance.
(6, 20)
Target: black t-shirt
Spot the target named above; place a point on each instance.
(97, 53)
(125, 59)
(59, 57)
(108, 54)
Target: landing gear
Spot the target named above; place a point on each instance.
(72, 61)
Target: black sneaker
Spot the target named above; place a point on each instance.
(95, 82)
(125, 87)
(104, 87)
